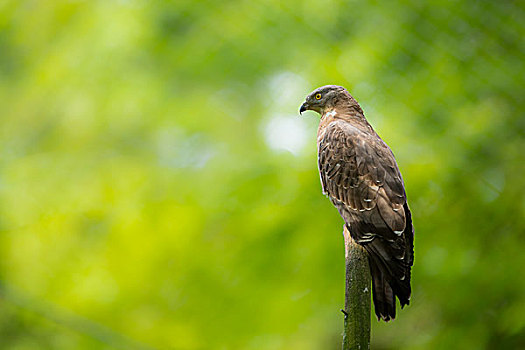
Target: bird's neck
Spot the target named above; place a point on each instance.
(345, 110)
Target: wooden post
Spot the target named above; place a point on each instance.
(356, 333)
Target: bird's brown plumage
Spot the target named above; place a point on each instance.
(360, 176)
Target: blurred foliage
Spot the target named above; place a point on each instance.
(159, 190)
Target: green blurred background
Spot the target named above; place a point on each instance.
(158, 189)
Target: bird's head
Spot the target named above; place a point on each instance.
(324, 98)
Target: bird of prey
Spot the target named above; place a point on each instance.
(360, 176)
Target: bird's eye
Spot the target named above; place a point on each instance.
(318, 96)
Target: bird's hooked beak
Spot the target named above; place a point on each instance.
(304, 107)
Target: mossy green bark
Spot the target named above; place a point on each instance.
(357, 296)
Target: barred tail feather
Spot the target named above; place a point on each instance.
(391, 270)
(382, 294)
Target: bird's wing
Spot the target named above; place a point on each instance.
(359, 170)
(360, 175)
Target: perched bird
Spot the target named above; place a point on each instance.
(360, 176)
